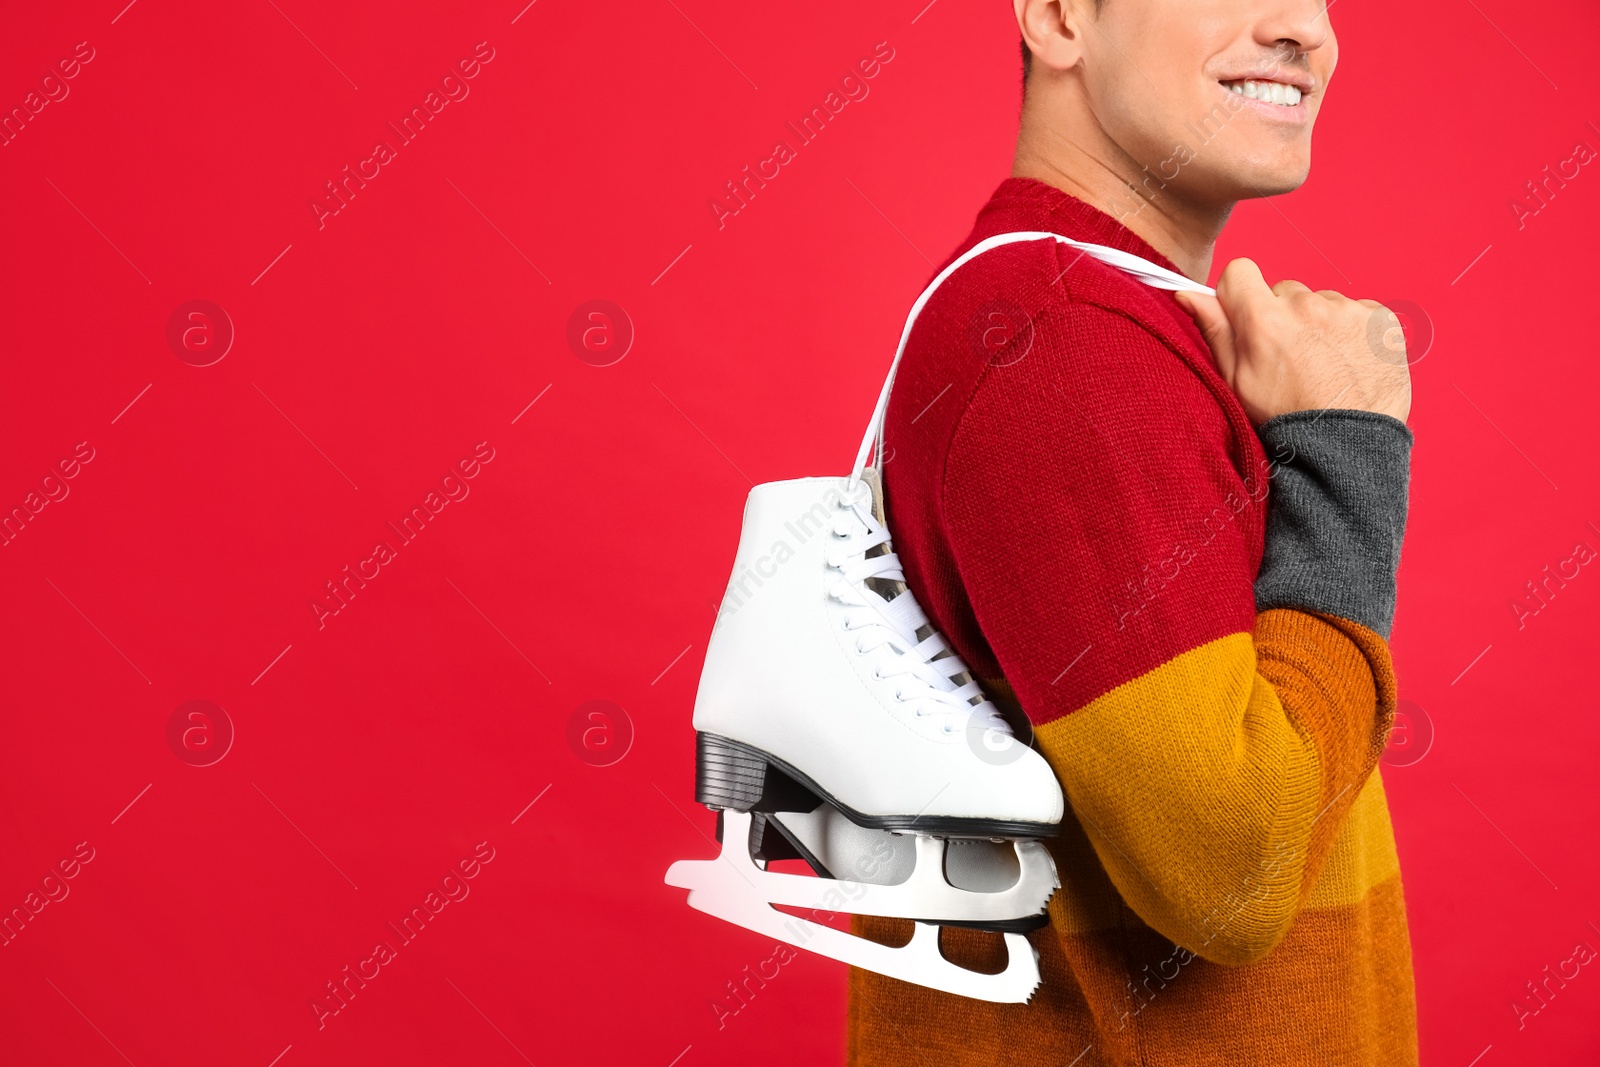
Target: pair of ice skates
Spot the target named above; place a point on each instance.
(835, 725)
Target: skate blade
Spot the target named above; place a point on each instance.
(926, 895)
(928, 891)
(733, 888)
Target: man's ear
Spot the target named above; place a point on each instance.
(1054, 30)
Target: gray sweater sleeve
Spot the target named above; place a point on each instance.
(1336, 514)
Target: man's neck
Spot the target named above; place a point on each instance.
(1072, 153)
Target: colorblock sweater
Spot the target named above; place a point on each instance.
(1192, 616)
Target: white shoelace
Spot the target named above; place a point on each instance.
(886, 628)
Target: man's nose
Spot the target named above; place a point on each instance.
(1290, 26)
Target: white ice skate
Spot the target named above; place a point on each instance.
(830, 711)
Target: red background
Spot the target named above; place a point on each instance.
(375, 352)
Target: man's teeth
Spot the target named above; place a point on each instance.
(1267, 92)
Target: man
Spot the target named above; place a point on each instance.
(1165, 530)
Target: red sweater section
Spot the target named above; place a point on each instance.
(1071, 513)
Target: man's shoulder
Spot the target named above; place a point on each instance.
(1048, 298)
(1037, 338)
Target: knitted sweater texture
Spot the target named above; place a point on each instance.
(1192, 616)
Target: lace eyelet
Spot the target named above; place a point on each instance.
(949, 729)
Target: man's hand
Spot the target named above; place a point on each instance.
(1286, 348)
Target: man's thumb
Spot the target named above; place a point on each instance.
(1214, 327)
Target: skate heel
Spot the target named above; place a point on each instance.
(728, 774)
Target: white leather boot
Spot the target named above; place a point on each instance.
(814, 679)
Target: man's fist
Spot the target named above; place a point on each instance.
(1286, 348)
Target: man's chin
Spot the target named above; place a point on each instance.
(1251, 182)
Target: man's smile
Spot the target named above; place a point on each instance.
(1271, 92)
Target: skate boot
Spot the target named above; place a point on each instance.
(834, 724)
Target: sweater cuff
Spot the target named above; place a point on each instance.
(1336, 514)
